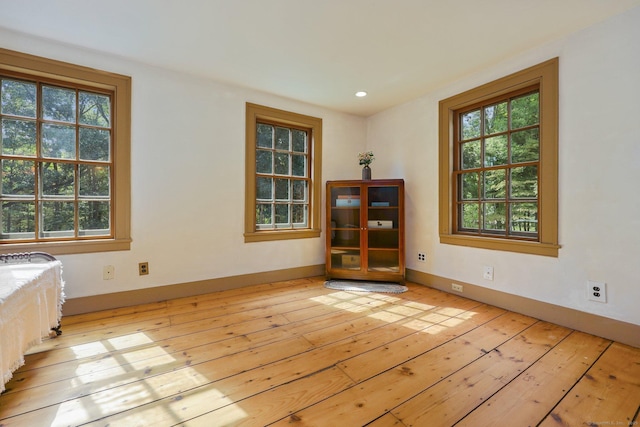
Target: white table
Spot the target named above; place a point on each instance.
(31, 298)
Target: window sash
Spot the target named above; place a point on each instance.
(545, 75)
(74, 121)
(475, 158)
(292, 209)
(19, 65)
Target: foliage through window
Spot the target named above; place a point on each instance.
(58, 157)
(282, 177)
(499, 164)
(282, 174)
(498, 147)
(56, 145)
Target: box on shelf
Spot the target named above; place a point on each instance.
(349, 202)
(350, 261)
(380, 224)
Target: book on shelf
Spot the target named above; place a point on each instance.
(379, 204)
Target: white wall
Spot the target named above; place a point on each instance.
(188, 151)
(599, 176)
(188, 172)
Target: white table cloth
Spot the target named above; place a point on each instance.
(31, 298)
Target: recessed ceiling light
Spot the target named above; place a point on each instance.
(361, 93)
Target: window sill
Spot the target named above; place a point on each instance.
(268, 235)
(67, 248)
(520, 246)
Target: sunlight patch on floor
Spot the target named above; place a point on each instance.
(146, 358)
(173, 410)
(418, 316)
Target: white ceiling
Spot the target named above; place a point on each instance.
(316, 51)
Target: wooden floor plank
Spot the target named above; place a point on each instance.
(541, 386)
(387, 420)
(608, 393)
(370, 399)
(258, 410)
(149, 350)
(437, 330)
(120, 393)
(296, 353)
(450, 400)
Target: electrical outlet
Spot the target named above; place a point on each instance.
(596, 291)
(108, 272)
(487, 273)
(422, 257)
(143, 268)
(456, 287)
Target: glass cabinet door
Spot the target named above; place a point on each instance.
(382, 228)
(345, 228)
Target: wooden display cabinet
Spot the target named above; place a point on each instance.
(365, 230)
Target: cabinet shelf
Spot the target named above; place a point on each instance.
(366, 241)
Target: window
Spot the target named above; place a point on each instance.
(498, 164)
(283, 182)
(64, 157)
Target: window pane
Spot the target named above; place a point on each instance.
(282, 163)
(470, 125)
(58, 104)
(298, 165)
(18, 178)
(283, 139)
(264, 161)
(282, 189)
(95, 144)
(94, 180)
(471, 154)
(299, 141)
(495, 216)
(524, 182)
(282, 156)
(495, 151)
(263, 214)
(94, 215)
(282, 214)
(299, 214)
(18, 98)
(95, 110)
(19, 217)
(264, 188)
(18, 137)
(57, 179)
(525, 146)
(469, 186)
(524, 217)
(58, 141)
(57, 217)
(525, 111)
(300, 190)
(496, 118)
(264, 136)
(495, 184)
(469, 216)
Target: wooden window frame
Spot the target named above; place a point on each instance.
(545, 77)
(23, 65)
(258, 113)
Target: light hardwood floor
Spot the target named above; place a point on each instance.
(296, 353)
